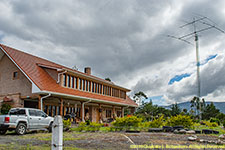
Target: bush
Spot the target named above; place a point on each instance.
(185, 121)
(84, 127)
(210, 124)
(94, 126)
(224, 123)
(156, 123)
(66, 124)
(215, 120)
(127, 122)
(5, 108)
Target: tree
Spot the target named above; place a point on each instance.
(108, 79)
(197, 104)
(175, 110)
(210, 111)
(5, 108)
(221, 117)
(148, 111)
(139, 96)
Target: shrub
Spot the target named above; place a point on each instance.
(209, 124)
(66, 124)
(94, 126)
(126, 122)
(185, 121)
(156, 123)
(82, 126)
(224, 123)
(215, 120)
(5, 108)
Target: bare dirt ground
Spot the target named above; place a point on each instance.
(97, 140)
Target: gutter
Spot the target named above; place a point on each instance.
(83, 109)
(44, 98)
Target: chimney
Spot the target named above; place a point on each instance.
(87, 70)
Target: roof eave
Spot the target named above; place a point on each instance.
(85, 98)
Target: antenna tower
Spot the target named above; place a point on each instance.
(208, 24)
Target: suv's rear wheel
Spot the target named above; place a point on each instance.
(2, 132)
(50, 127)
(21, 129)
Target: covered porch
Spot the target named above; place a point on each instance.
(82, 108)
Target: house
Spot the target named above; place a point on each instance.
(30, 81)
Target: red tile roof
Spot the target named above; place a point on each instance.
(29, 65)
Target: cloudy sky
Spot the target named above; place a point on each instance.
(125, 40)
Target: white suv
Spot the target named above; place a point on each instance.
(25, 119)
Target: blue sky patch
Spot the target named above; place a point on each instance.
(208, 59)
(157, 100)
(177, 78)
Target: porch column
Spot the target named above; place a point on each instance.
(113, 113)
(100, 113)
(122, 111)
(61, 106)
(64, 112)
(82, 111)
(39, 102)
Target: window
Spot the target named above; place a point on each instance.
(17, 112)
(40, 114)
(32, 112)
(103, 89)
(108, 113)
(54, 110)
(15, 75)
(72, 82)
(68, 81)
(93, 86)
(84, 85)
(75, 82)
(46, 109)
(64, 79)
(89, 86)
(50, 110)
(80, 84)
(58, 110)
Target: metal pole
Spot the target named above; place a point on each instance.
(198, 73)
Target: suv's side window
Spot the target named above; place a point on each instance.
(17, 112)
(32, 112)
(22, 112)
(41, 114)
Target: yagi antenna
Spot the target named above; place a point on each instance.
(202, 20)
(174, 37)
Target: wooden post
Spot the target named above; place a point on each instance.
(100, 113)
(113, 113)
(52, 110)
(57, 133)
(39, 102)
(122, 115)
(61, 106)
(81, 111)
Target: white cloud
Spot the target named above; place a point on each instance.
(122, 40)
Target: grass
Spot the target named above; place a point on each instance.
(31, 147)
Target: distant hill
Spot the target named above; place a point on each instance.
(187, 105)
